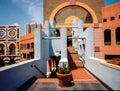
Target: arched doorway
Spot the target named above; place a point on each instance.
(12, 49)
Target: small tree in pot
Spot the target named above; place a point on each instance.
(64, 75)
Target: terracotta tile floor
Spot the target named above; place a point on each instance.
(46, 80)
(82, 79)
(79, 73)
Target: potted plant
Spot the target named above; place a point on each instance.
(64, 75)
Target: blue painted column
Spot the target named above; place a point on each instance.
(47, 42)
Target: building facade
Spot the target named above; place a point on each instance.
(111, 31)
(30, 27)
(9, 44)
(27, 42)
(105, 23)
(63, 13)
(27, 46)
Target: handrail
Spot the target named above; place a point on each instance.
(33, 65)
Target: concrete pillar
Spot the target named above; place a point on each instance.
(75, 30)
(89, 46)
(39, 49)
(64, 58)
(80, 34)
(37, 44)
(80, 28)
(47, 42)
(63, 43)
(52, 30)
(47, 48)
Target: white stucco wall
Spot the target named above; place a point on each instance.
(13, 76)
(108, 75)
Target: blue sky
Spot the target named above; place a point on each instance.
(25, 11)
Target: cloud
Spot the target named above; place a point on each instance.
(35, 12)
(34, 8)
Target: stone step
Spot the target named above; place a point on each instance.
(76, 66)
(47, 80)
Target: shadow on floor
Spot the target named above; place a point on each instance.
(27, 84)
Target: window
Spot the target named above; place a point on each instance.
(118, 36)
(107, 37)
(28, 46)
(32, 45)
(2, 33)
(119, 16)
(2, 49)
(112, 18)
(104, 20)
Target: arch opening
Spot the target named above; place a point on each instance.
(66, 4)
(12, 49)
(2, 49)
(118, 36)
(107, 37)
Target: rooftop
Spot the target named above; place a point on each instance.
(82, 79)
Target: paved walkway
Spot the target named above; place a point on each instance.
(82, 79)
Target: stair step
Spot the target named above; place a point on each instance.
(47, 80)
(74, 65)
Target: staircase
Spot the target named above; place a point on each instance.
(73, 58)
(79, 73)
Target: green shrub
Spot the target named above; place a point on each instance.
(63, 69)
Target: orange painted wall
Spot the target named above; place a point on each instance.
(28, 38)
(107, 13)
(24, 40)
(98, 38)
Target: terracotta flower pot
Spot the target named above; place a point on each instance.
(64, 79)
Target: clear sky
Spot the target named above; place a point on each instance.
(25, 11)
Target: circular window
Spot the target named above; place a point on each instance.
(2, 33)
(12, 33)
